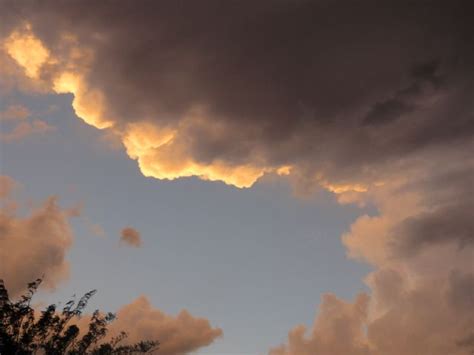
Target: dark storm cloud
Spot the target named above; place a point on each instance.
(426, 83)
(447, 195)
(387, 111)
(342, 95)
(446, 224)
(250, 67)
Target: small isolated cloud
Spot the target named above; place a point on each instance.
(131, 237)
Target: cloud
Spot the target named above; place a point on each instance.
(7, 185)
(179, 334)
(130, 237)
(18, 119)
(402, 316)
(371, 103)
(337, 330)
(34, 246)
(420, 246)
(26, 129)
(14, 112)
(222, 99)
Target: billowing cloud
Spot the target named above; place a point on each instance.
(337, 330)
(131, 237)
(180, 334)
(34, 246)
(421, 247)
(226, 96)
(424, 318)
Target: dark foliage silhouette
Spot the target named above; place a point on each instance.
(22, 332)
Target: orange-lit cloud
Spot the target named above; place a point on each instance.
(88, 103)
(160, 152)
(35, 245)
(421, 288)
(7, 185)
(131, 237)
(338, 330)
(180, 334)
(27, 50)
(178, 123)
(420, 319)
(68, 72)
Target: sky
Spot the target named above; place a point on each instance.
(270, 177)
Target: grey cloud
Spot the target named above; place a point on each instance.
(447, 224)
(404, 101)
(461, 293)
(387, 111)
(250, 67)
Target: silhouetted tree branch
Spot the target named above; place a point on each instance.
(23, 333)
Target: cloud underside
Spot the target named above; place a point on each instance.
(371, 103)
(214, 93)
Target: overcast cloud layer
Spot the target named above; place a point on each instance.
(374, 103)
